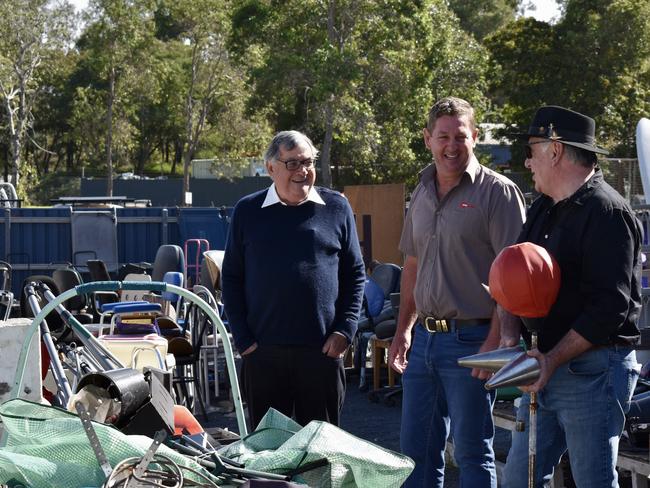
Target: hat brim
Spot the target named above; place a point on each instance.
(523, 136)
(586, 147)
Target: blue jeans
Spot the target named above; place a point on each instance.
(439, 395)
(582, 409)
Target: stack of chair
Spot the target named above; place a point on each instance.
(377, 313)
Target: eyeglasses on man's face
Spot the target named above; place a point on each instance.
(294, 164)
(529, 150)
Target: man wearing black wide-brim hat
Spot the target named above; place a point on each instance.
(585, 343)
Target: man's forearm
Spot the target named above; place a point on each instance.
(407, 315)
(397, 354)
(570, 346)
(509, 329)
(494, 335)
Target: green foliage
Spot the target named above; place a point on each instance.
(596, 60)
(33, 33)
(159, 83)
(482, 17)
(53, 186)
(29, 180)
(377, 65)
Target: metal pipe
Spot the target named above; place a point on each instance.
(192, 443)
(106, 359)
(228, 352)
(114, 286)
(63, 387)
(532, 427)
(24, 351)
(217, 464)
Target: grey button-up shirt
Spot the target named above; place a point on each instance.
(455, 240)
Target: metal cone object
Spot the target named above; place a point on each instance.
(523, 370)
(491, 360)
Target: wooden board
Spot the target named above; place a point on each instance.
(385, 205)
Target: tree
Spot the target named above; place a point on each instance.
(520, 81)
(358, 76)
(482, 17)
(611, 40)
(202, 26)
(117, 40)
(51, 127)
(157, 106)
(32, 32)
(595, 60)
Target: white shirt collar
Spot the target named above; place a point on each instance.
(272, 197)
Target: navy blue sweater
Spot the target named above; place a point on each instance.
(292, 275)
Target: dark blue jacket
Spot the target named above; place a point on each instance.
(292, 275)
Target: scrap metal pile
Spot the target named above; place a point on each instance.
(115, 426)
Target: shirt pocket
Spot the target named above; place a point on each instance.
(466, 223)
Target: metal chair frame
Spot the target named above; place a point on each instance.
(81, 331)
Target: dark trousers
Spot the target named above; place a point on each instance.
(301, 382)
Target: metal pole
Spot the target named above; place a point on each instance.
(103, 356)
(228, 352)
(532, 428)
(133, 285)
(60, 378)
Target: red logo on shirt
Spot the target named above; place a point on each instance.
(466, 205)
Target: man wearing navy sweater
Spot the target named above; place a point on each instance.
(293, 281)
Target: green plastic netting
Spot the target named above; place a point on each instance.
(48, 448)
(279, 444)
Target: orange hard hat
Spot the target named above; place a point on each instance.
(525, 280)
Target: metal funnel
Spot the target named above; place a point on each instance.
(491, 360)
(523, 370)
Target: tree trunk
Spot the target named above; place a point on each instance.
(14, 159)
(178, 155)
(187, 159)
(189, 116)
(187, 153)
(325, 170)
(15, 142)
(325, 167)
(7, 160)
(69, 156)
(109, 134)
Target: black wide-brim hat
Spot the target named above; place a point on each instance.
(566, 126)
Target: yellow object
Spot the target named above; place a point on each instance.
(137, 351)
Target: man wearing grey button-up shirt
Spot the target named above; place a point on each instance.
(460, 217)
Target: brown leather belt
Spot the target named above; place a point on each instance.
(433, 325)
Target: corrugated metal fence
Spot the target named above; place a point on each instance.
(39, 240)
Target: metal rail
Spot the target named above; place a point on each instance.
(132, 285)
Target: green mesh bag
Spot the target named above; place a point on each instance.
(280, 445)
(46, 447)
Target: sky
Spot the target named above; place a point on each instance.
(545, 9)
